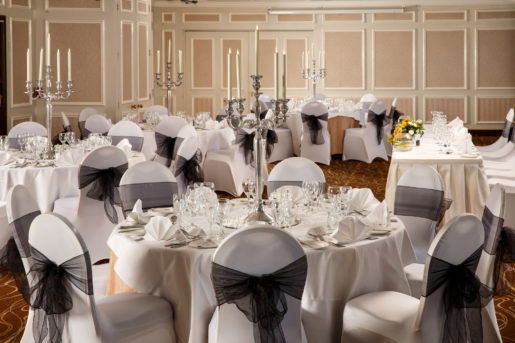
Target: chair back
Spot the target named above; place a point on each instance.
(266, 99)
(320, 96)
(365, 101)
(256, 251)
(149, 181)
(54, 240)
(166, 139)
(188, 166)
(459, 241)
(292, 172)
(376, 115)
(263, 109)
(126, 129)
(418, 201)
(314, 124)
(163, 111)
(99, 200)
(84, 114)
(507, 131)
(96, 123)
(25, 127)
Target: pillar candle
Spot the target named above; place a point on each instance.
(48, 49)
(229, 84)
(58, 58)
(40, 74)
(238, 74)
(256, 48)
(276, 74)
(28, 64)
(284, 74)
(180, 61)
(69, 64)
(169, 50)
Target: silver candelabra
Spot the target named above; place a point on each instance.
(236, 122)
(169, 84)
(44, 91)
(314, 75)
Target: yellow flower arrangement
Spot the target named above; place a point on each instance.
(409, 126)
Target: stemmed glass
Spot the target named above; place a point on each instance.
(333, 193)
(249, 186)
(70, 138)
(345, 192)
(62, 137)
(311, 190)
(222, 210)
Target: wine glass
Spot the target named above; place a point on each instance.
(62, 137)
(248, 189)
(222, 209)
(333, 192)
(70, 137)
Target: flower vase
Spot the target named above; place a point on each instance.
(403, 142)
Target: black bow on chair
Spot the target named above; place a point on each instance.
(504, 273)
(378, 120)
(315, 127)
(50, 296)
(246, 142)
(463, 297)
(271, 140)
(11, 261)
(82, 129)
(261, 298)
(165, 147)
(191, 168)
(395, 115)
(105, 183)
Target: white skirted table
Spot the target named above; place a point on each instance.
(335, 275)
(463, 176)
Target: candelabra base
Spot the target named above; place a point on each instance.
(259, 216)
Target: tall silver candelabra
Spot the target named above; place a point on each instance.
(44, 91)
(236, 122)
(169, 84)
(314, 75)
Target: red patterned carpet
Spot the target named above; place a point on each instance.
(13, 309)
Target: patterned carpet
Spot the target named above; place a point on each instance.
(13, 309)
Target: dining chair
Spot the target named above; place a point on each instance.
(387, 128)
(126, 129)
(279, 142)
(365, 102)
(84, 114)
(25, 127)
(63, 304)
(149, 181)
(315, 143)
(258, 275)
(97, 209)
(292, 172)
(166, 139)
(96, 123)
(163, 111)
(263, 109)
(419, 196)
(439, 314)
(67, 126)
(21, 211)
(505, 136)
(366, 143)
(188, 165)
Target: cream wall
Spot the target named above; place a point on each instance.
(456, 59)
(111, 42)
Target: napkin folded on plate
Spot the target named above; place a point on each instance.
(362, 199)
(137, 216)
(317, 231)
(350, 229)
(378, 217)
(298, 195)
(125, 146)
(462, 141)
(212, 125)
(160, 229)
(70, 157)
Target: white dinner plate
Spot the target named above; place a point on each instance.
(313, 243)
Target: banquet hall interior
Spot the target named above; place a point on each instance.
(257, 171)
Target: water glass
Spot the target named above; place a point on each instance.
(62, 137)
(249, 186)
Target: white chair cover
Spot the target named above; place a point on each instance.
(163, 111)
(293, 171)
(96, 123)
(118, 318)
(84, 114)
(25, 127)
(151, 182)
(365, 101)
(166, 139)
(92, 217)
(418, 199)
(505, 136)
(256, 251)
(263, 109)
(188, 164)
(394, 317)
(315, 144)
(266, 99)
(126, 129)
(320, 96)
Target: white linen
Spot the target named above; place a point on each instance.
(350, 229)
(125, 146)
(378, 217)
(362, 199)
(369, 265)
(462, 174)
(137, 216)
(160, 228)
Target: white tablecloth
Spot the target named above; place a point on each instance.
(335, 275)
(463, 176)
(209, 140)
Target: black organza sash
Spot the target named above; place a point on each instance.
(105, 183)
(67, 128)
(378, 120)
(152, 194)
(493, 227)
(191, 168)
(165, 147)
(50, 293)
(504, 268)
(418, 202)
(246, 142)
(136, 142)
(271, 140)
(463, 297)
(11, 260)
(507, 130)
(315, 127)
(220, 117)
(82, 129)
(261, 298)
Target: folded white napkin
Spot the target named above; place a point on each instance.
(461, 141)
(317, 231)
(378, 216)
(137, 216)
(212, 125)
(160, 229)
(70, 157)
(362, 199)
(298, 195)
(350, 229)
(125, 146)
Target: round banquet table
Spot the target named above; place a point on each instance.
(335, 275)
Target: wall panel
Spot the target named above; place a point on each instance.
(202, 66)
(203, 104)
(495, 57)
(20, 3)
(266, 61)
(127, 78)
(445, 53)
(452, 107)
(143, 70)
(393, 59)
(77, 4)
(294, 48)
(493, 109)
(344, 59)
(21, 41)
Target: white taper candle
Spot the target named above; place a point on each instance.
(48, 50)
(28, 65)
(40, 74)
(58, 58)
(69, 64)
